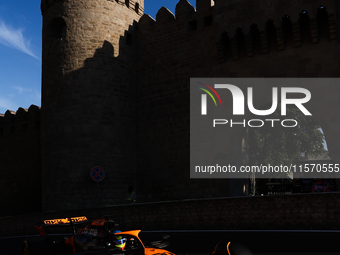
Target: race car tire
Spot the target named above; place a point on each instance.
(37, 246)
(231, 248)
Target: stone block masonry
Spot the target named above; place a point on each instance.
(115, 93)
(292, 212)
(20, 159)
(88, 82)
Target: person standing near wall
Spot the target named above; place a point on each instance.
(131, 196)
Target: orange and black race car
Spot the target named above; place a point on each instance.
(100, 237)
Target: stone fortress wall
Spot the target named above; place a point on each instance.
(20, 180)
(224, 39)
(88, 79)
(115, 89)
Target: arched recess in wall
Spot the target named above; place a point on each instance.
(137, 8)
(323, 22)
(271, 35)
(57, 28)
(225, 46)
(240, 43)
(287, 31)
(255, 39)
(304, 26)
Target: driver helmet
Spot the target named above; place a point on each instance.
(120, 242)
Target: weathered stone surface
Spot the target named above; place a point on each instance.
(115, 92)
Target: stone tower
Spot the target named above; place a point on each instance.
(88, 101)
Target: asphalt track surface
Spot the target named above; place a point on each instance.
(203, 242)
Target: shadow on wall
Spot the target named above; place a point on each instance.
(20, 182)
(247, 42)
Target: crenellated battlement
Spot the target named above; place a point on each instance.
(248, 28)
(135, 5)
(306, 24)
(21, 121)
(45, 4)
(186, 16)
(183, 10)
